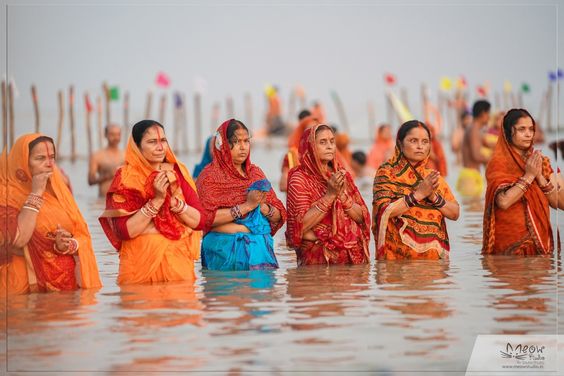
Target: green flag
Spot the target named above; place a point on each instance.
(525, 88)
(114, 93)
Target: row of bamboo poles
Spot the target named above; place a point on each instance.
(446, 106)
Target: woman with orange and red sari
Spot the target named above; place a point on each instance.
(383, 147)
(411, 201)
(46, 245)
(521, 186)
(328, 221)
(153, 213)
(242, 210)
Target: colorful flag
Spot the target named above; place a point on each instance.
(88, 104)
(507, 87)
(481, 91)
(552, 76)
(400, 108)
(461, 83)
(162, 80)
(525, 88)
(114, 93)
(177, 100)
(445, 83)
(390, 79)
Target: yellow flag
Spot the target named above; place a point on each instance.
(446, 83)
(400, 108)
(507, 87)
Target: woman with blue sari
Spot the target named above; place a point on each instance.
(242, 210)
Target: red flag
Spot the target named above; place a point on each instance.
(87, 103)
(162, 80)
(390, 79)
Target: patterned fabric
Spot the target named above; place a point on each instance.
(220, 185)
(41, 269)
(421, 231)
(169, 253)
(524, 228)
(340, 240)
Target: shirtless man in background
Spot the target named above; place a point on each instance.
(105, 162)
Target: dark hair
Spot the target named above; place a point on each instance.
(107, 129)
(360, 157)
(323, 127)
(480, 106)
(463, 114)
(39, 140)
(408, 126)
(303, 114)
(231, 128)
(511, 118)
(140, 128)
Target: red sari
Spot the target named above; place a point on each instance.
(523, 228)
(220, 185)
(340, 240)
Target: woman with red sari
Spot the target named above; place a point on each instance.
(411, 201)
(153, 213)
(46, 245)
(521, 186)
(328, 221)
(242, 210)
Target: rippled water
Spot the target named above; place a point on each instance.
(387, 316)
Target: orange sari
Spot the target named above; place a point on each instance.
(167, 251)
(420, 232)
(40, 268)
(524, 228)
(379, 151)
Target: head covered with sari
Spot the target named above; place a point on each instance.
(132, 187)
(337, 231)
(47, 270)
(420, 229)
(523, 228)
(221, 185)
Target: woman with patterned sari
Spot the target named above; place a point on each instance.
(411, 201)
(521, 186)
(46, 245)
(153, 213)
(328, 221)
(242, 210)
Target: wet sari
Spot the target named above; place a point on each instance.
(41, 269)
(222, 186)
(167, 249)
(340, 240)
(420, 232)
(523, 228)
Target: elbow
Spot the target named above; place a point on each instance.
(502, 204)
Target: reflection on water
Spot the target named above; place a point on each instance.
(387, 316)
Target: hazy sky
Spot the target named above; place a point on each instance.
(240, 47)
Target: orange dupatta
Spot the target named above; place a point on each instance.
(42, 269)
(524, 228)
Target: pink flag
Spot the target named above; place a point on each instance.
(162, 80)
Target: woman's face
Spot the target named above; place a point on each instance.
(416, 145)
(154, 145)
(522, 133)
(325, 145)
(241, 146)
(42, 158)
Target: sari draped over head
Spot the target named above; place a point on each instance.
(421, 231)
(340, 240)
(222, 186)
(523, 228)
(206, 158)
(168, 253)
(40, 268)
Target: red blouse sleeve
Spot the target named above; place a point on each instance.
(120, 224)
(191, 197)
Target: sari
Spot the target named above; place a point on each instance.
(380, 151)
(41, 269)
(420, 232)
(206, 159)
(168, 250)
(222, 186)
(523, 228)
(340, 240)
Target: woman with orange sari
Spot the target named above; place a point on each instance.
(242, 210)
(153, 213)
(521, 186)
(411, 201)
(46, 245)
(328, 221)
(383, 147)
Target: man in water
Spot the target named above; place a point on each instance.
(105, 162)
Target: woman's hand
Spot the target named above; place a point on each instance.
(62, 239)
(161, 185)
(336, 183)
(428, 186)
(254, 198)
(533, 166)
(39, 182)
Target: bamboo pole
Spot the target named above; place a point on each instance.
(4, 117)
(341, 112)
(184, 122)
(35, 107)
(292, 105)
(229, 107)
(549, 96)
(177, 103)
(249, 111)
(125, 127)
(404, 97)
(106, 90)
(389, 110)
(88, 122)
(198, 122)
(99, 122)
(148, 104)
(71, 123)
(11, 121)
(61, 120)
(497, 101)
(215, 116)
(371, 120)
(542, 111)
(162, 109)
